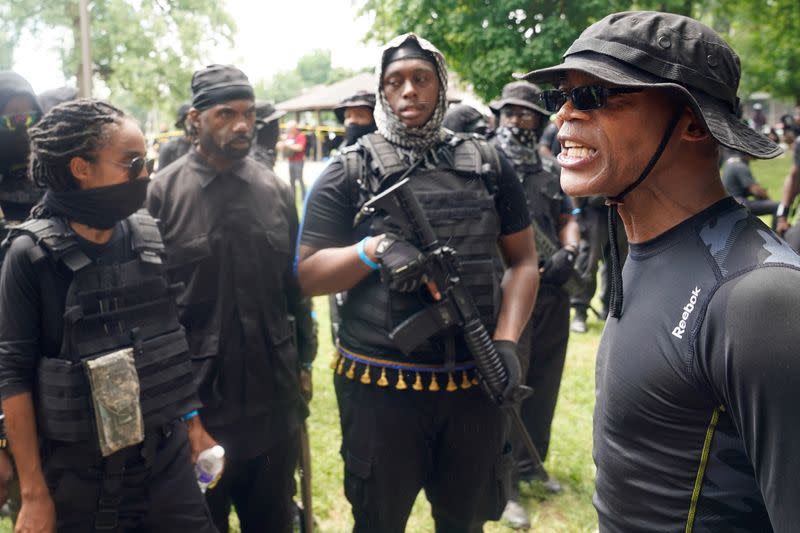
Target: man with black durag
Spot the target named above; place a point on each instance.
(543, 345)
(176, 148)
(417, 421)
(267, 134)
(229, 228)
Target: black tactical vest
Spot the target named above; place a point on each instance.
(458, 198)
(107, 308)
(542, 190)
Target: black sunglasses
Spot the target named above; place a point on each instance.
(136, 166)
(584, 98)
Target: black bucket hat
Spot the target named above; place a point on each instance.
(266, 112)
(521, 93)
(653, 49)
(359, 99)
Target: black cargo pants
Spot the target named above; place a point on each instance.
(454, 445)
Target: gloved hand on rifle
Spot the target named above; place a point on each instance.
(510, 360)
(557, 269)
(402, 264)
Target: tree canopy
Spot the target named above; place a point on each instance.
(314, 68)
(485, 41)
(144, 50)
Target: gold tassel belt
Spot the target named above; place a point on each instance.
(364, 364)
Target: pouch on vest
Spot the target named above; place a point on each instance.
(114, 386)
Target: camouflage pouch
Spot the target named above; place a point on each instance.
(114, 385)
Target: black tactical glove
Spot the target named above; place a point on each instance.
(510, 359)
(402, 264)
(559, 267)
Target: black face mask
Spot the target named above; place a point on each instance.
(526, 137)
(354, 131)
(101, 207)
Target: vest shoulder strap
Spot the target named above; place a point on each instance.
(146, 238)
(478, 156)
(54, 239)
(384, 159)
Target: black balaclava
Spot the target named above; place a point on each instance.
(14, 145)
(353, 132)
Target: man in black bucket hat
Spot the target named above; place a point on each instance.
(543, 345)
(695, 422)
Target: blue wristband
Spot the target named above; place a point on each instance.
(189, 415)
(363, 255)
(576, 211)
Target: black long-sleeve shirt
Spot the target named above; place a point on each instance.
(32, 300)
(229, 238)
(696, 422)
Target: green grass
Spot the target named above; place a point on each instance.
(771, 173)
(569, 459)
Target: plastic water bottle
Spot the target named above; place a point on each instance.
(209, 466)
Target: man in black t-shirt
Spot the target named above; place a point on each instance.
(543, 349)
(417, 421)
(698, 375)
(740, 183)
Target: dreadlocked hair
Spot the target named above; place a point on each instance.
(73, 129)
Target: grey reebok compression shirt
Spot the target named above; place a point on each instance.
(697, 420)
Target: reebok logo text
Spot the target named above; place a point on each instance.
(680, 329)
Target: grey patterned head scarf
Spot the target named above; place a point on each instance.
(411, 142)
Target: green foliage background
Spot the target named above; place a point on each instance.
(485, 41)
(314, 68)
(143, 51)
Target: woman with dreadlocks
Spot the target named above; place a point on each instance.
(94, 372)
(413, 418)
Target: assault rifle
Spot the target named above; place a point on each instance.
(456, 307)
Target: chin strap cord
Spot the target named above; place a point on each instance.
(613, 203)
